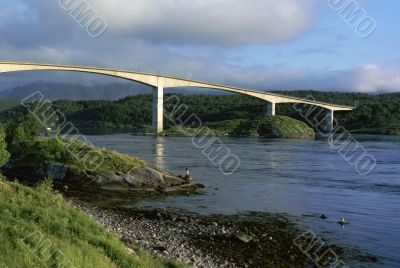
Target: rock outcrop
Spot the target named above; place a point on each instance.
(56, 159)
(140, 179)
(137, 179)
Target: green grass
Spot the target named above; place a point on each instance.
(265, 126)
(38, 228)
(74, 154)
(286, 126)
(110, 160)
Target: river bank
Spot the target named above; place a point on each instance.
(39, 228)
(200, 241)
(249, 239)
(291, 176)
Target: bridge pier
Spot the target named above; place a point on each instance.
(158, 109)
(271, 108)
(329, 120)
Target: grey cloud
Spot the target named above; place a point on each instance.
(38, 30)
(366, 78)
(220, 22)
(215, 22)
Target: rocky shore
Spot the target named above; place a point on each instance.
(205, 241)
(114, 172)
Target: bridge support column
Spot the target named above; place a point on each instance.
(158, 109)
(329, 120)
(271, 108)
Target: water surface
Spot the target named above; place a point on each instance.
(303, 178)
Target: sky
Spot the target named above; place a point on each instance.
(256, 44)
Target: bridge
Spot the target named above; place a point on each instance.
(160, 82)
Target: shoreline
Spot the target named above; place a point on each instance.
(202, 241)
(130, 131)
(242, 240)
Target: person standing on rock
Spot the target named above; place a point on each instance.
(187, 177)
(187, 169)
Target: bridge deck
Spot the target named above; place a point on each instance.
(171, 81)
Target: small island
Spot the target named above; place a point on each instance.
(263, 127)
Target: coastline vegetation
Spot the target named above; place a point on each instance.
(38, 227)
(27, 149)
(264, 126)
(375, 114)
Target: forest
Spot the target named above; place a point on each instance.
(378, 114)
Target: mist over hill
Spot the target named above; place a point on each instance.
(75, 91)
(79, 92)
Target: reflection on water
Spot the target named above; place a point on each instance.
(159, 152)
(304, 178)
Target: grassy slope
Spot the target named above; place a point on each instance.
(287, 126)
(112, 160)
(51, 149)
(78, 239)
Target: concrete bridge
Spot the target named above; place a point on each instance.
(159, 82)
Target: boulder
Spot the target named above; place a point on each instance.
(55, 171)
(111, 181)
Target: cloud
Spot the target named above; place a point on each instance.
(181, 38)
(218, 23)
(373, 78)
(179, 22)
(367, 78)
(215, 22)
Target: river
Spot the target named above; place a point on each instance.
(303, 178)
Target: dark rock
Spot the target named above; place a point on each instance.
(55, 171)
(139, 179)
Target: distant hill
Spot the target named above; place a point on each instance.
(65, 91)
(79, 92)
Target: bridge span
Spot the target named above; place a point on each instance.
(160, 82)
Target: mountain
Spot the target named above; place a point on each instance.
(78, 92)
(63, 91)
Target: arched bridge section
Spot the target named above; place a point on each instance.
(159, 82)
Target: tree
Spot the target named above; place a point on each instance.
(20, 134)
(4, 154)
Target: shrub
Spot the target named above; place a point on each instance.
(48, 150)
(46, 185)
